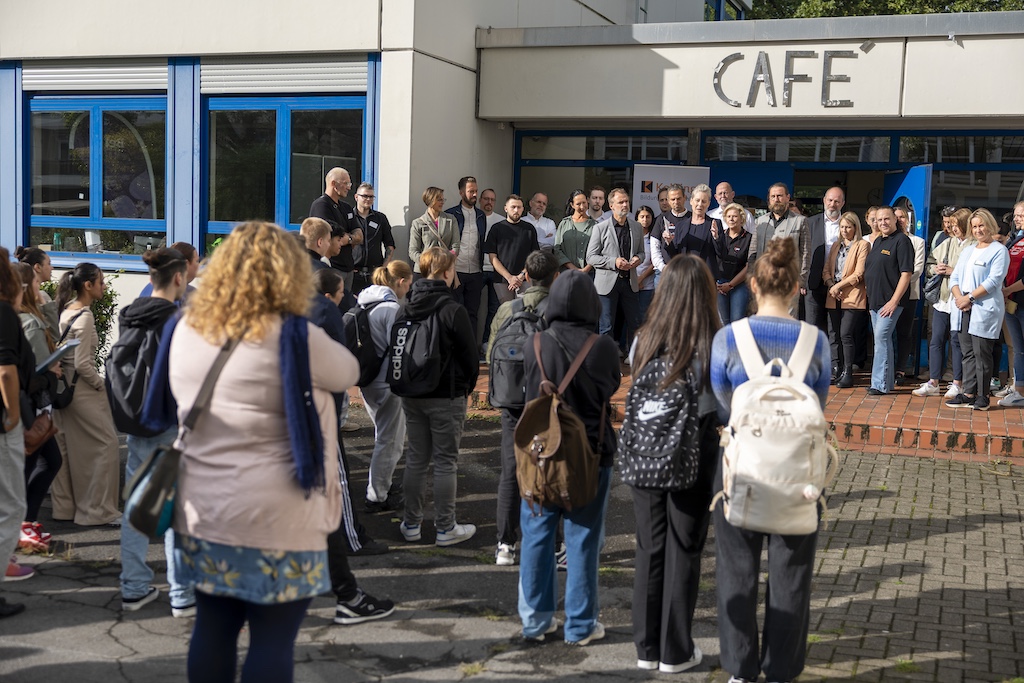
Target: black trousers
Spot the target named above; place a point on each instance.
(977, 359)
(468, 294)
(844, 334)
(813, 305)
(671, 528)
(905, 335)
(492, 302)
(787, 599)
(507, 517)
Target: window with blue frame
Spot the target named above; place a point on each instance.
(267, 157)
(97, 174)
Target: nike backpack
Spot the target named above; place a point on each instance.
(776, 459)
(507, 385)
(658, 442)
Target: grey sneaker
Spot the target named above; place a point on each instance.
(596, 634)
(1012, 400)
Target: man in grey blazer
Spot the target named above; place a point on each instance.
(823, 231)
(777, 223)
(616, 249)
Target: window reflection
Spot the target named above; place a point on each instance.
(321, 140)
(133, 164)
(60, 163)
(242, 165)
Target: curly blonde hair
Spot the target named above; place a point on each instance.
(257, 275)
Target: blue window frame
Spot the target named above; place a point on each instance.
(96, 175)
(265, 157)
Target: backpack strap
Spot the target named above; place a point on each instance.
(547, 386)
(803, 352)
(750, 355)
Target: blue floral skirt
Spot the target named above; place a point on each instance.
(263, 577)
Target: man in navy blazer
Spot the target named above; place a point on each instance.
(469, 262)
(823, 231)
(616, 249)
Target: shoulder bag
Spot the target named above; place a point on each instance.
(149, 496)
(65, 390)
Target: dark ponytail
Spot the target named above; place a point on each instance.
(34, 256)
(73, 282)
(164, 263)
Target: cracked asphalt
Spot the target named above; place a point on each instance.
(919, 578)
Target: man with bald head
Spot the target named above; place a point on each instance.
(725, 196)
(339, 214)
(544, 226)
(823, 231)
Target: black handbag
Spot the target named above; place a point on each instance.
(933, 287)
(149, 496)
(65, 391)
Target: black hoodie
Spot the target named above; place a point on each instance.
(146, 312)
(460, 356)
(573, 309)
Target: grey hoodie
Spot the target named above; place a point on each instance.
(381, 318)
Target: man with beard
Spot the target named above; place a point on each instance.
(823, 231)
(778, 223)
(509, 243)
(470, 260)
(905, 325)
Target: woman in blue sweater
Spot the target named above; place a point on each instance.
(774, 280)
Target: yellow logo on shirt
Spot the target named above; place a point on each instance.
(885, 252)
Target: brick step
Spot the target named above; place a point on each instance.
(897, 424)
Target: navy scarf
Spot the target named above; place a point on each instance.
(160, 411)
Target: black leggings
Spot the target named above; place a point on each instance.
(213, 652)
(40, 471)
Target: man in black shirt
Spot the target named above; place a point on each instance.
(378, 242)
(339, 214)
(509, 243)
(887, 274)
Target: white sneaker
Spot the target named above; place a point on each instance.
(596, 634)
(1012, 400)
(647, 664)
(505, 555)
(953, 391)
(1005, 391)
(679, 668)
(540, 638)
(410, 533)
(926, 389)
(457, 534)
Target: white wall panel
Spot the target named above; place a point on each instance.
(971, 76)
(130, 28)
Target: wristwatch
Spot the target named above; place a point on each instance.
(970, 297)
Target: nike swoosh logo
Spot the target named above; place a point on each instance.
(644, 416)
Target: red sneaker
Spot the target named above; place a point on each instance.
(30, 540)
(39, 530)
(18, 572)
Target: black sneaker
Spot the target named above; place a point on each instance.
(390, 504)
(371, 547)
(363, 608)
(960, 401)
(980, 403)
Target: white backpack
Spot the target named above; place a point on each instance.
(776, 459)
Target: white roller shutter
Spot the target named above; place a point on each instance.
(107, 75)
(283, 74)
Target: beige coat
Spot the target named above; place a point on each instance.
(237, 484)
(855, 294)
(86, 487)
(423, 235)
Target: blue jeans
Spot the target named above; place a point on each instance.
(733, 306)
(1015, 324)
(136, 575)
(645, 297)
(622, 293)
(883, 366)
(538, 577)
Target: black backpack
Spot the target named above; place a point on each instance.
(415, 360)
(507, 374)
(658, 442)
(359, 341)
(128, 369)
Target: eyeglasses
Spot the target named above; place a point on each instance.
(366, 196)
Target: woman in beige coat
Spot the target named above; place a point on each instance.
(847, 300)
(85, 489)
(434, 228)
